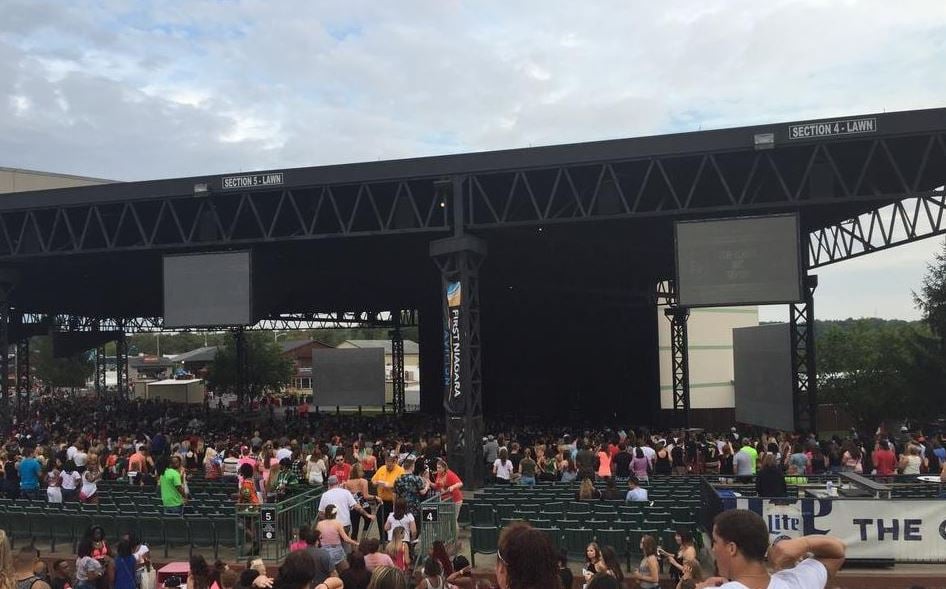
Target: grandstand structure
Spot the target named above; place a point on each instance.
(562, 254)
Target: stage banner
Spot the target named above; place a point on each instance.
(903, 530)
(455, 398)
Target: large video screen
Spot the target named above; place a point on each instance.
(762, 362)
(207, 290)
(745, 261)
(348, 376)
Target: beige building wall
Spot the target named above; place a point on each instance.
(17, 180)
(709, 332)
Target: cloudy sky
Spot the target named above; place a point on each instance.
(128, 89)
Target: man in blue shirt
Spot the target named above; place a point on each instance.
(636, 492)
(30, 469)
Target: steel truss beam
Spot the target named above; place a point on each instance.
(397, 365)
(100, 370)
(121, 364)
(371, 208)
(804, 375)
(905, 221)
(680, 361)
(283, 322)
(24, 377)
(879, 169)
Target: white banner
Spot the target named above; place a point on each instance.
(904, 530)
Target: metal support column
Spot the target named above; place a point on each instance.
(24, 380)
(100, 366)
(680, 362)
(459, 259)
(121, 363)
(239, 338)
(804, 374)
(397, 363)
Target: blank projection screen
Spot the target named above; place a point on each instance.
(348, 376)
(745, 261)
(763, 376)
(203, 290)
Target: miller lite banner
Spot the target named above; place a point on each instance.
(903, 530)
(455, 400)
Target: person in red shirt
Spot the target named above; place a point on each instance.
(884, 459)
(449, 484)
(340, 469)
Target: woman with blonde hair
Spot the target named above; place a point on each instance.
(7, 573)
(398, 550)
(357, 485)
(385, 577)
(587, 491)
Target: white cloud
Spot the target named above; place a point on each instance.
(134, 90)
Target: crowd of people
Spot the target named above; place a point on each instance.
(377, 471)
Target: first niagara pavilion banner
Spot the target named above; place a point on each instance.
(455, 400)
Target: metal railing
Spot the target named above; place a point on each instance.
(267, 530)
(438, 521)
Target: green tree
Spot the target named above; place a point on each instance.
(74, 371)
(931, 300)
(267, 370)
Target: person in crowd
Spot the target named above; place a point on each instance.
(60, 576)
(852, 459)
(299, 542)
(612, 563)
(70, 482)
(568, 471)
(603, 581)
(411, 487)
(448, 484)
(603, 458)
(910, 461)
(369, 463)
(315, 467)
(526, 559)
(438, 550)
(30, 473)
(398, 549)
(647, 574)
(384, 480)
(528, 469)
(611, 491)
(710, 456)
(356, 575)
(173, 495)
(741, 548)
(24, 569)
(357, 485)
(92, 474)
(247, 494)
(770, 482)
(344, 502)
(622, 462)
(817, 460)
(594, 562)
(401, 518)
(54, 482)
(727, 466)
(88, 569)
(635, 491)
(691, 576)
(230, 468)
(340, 469)
(322, 559)
(333, 534)
(686, 552)
(587, 491)
(565, 576)
(641, 465)
(201, 575)
(387, 577)
(663, 465)
(298, 571)
(370, 547)
(502, 468)
(435, 577)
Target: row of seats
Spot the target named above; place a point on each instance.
(625, 541)
(66, 530)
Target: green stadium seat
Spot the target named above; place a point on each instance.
(202, 533)
(575, 540)
(483, 540)
(484, 515)
(176, 532)
(554, 535)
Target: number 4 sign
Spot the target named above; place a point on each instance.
(429, 514)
